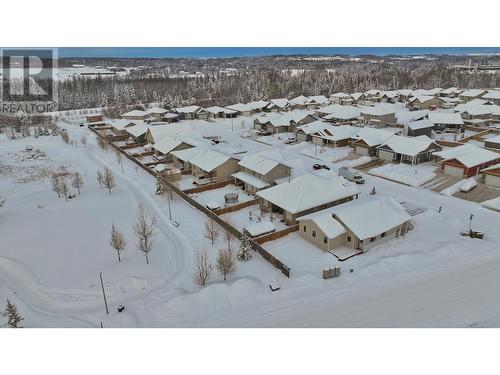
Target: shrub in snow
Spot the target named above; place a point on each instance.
(13, 317)
(245, 248)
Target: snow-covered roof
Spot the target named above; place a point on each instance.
(420, 124)
(447, 118)
(240, 107)
(491, 168)
(422, 98)
(308, 191)
(377, 111)
(280, 103)
(407, 116)
(300, 100)
(282, 118)
(250, 179)
(319, 99)
(495, 139)
(374, 137)
(314, 127)
(189, 109)
(472, 93)
(260, 104)
(336, 133)
(170, 115)
(342, 112)
(217, 110)
(135, 113)
(385, 214)
(410, 146)
(326, 223)
(202, 157)
(258, 163)
(469, 155)
(156, 110)
(172, 130)
(357, 95)
(493, 94)
(451, 90)
(121, 124)
(340, 95)
(166, 144)
(261, 228)
(137, 130)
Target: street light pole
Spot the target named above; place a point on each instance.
(104, 293)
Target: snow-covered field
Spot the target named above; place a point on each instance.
(413, 175)
(51, 253)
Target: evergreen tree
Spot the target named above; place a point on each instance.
(13, 317)
(245, 247)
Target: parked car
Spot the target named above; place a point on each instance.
(82, 124)
(351, 176)
(317, 166)
(468, 185)
(290, 140)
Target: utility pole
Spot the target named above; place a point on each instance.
(470, 222)
(104, 294)
(169, 194)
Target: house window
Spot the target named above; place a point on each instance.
(348, 238)
(382, 235)
(373, 239)
(314, 233)
(305, 228)
(325, 240)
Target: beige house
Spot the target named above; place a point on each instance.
(258, 172)
(206, 165)
(306, 194)
(348, 225)
(378, 115)
(425, 101)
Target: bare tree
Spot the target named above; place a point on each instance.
(108, 179)
(13, 317)
(203, 268)
(64, 188)
(225, 263)
(117, 241)
(100, 178)
(77, 182)
(211, 230)
(144, 229)
(119, 158)
(55, 181)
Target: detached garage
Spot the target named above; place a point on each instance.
(466, 160)
(492, 175)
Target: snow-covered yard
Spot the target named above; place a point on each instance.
(328, 154)
(252, 215)
(413, 175)
(216, 196)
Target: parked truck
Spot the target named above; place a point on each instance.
(351, 176)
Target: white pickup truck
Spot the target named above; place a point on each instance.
(351, 176)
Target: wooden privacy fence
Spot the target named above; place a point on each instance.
(236, 207)
(276, 235)
(211, 186)
(211, 214)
